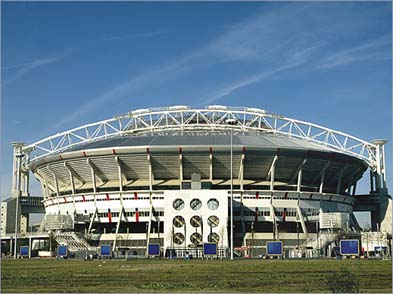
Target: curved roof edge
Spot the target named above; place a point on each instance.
(211, 118)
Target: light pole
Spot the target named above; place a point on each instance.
(231, 121)
(19, 156)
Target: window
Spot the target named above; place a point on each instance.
(195, 204)
(178, 204)
(213, 204)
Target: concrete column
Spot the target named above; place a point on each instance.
(299, 180)
(16, 174)
(27, 183)
(24, 223)
(371, 182)
(30, 247)
(383, 167)
(180, 167)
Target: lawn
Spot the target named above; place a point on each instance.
(196, 275)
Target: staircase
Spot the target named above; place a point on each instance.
(75, 242)
(58, 222)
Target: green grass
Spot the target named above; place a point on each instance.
(196, 275)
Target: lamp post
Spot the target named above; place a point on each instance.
(19, 156)
(231, 121)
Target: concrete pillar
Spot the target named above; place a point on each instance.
(380, 168)
(385, 214)
(371, 182)
(16, 174)
(11, 245)
(375, 219)
(24, 223)
(30, 247)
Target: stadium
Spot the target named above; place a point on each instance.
(180, 177)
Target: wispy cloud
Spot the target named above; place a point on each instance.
(264, 44)
(254, 40)
(268, 40)
(298, 58)
(23, 69)
(363, 52)
(137, 36)
(121, 90)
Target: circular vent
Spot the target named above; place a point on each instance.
(178, 221)
(213, 237)
(196, 238)
(213, 221)
(196, 221)
(178, 238)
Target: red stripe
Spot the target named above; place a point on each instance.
(109, 216)
(114, 151)
(65, 199)
(137, 215)
(180, 150)
(61, 157)
(84, 153)
(211, 150)
(135, 195)
(257, 195)
(107, 197)
(284, 215)
(286, 195)
(244, 149)
(83, 198)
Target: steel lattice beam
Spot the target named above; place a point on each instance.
(211, 118)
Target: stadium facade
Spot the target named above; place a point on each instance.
(180, 177)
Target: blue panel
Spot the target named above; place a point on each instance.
(154, 249)
(274, 248)
(62, 250)
(350, 247)
(106, 250)
(24, 251)
(209, 248)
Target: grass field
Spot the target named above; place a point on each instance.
(196, 275)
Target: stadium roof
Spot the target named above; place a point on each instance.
(204, 139)
(127, 129)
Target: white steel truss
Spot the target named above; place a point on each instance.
(211, 118)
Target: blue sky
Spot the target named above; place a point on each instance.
(67, 64)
